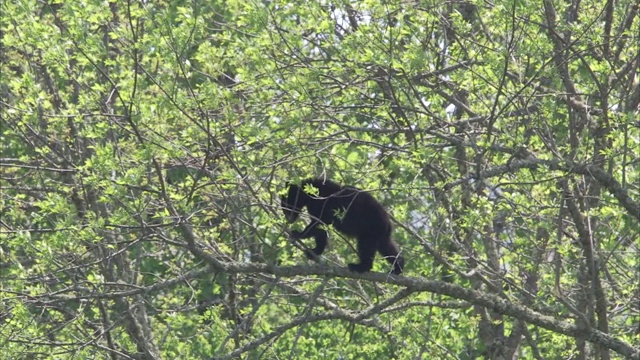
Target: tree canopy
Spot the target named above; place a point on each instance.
(145, 146)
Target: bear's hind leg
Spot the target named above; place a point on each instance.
(366, 253)
(389, 250)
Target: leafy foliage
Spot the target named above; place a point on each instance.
(144, 145)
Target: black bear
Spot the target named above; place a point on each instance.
(352, 211)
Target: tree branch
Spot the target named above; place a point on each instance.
(416, 284)
(604, 178)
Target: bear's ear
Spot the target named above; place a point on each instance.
(292, 187)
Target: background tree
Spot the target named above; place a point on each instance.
(144, 145)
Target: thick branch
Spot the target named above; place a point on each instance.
(415, 284)
(605, 179)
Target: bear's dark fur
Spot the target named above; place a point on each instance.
(352, 211)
